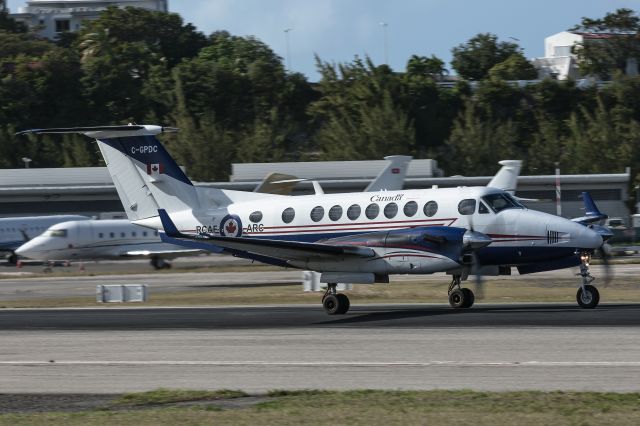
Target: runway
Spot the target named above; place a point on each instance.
(489, 347)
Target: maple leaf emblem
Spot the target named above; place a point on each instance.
(231, 227)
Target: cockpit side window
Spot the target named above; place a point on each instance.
(482, 209)
(57, 233)
(501, 201)
(467, 207)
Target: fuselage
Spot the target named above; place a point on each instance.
(94, 240)
(519, 235)
(15, 231)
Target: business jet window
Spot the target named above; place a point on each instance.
(501, 201)
(133, 234)
(372, 211)
(390, 210)
(410, 209)
(288, 214)
(255, 217)
(467, 207)
(57, 233)
(482, 209)
(335, 213)
(122, 235)
(112, 235)
(144, 233)
(354, 211)
(317, 213)
(100, 235)
(430, 209)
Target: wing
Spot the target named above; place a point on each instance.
(290, 250)
(161, 253)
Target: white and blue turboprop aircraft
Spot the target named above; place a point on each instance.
(351, 237)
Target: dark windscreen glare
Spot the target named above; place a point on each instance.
(502, 201)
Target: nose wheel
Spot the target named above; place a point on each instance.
(587, 296)
(335, 303)
(460, 298)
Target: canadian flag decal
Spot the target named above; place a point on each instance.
(155, 169)
(395, 171)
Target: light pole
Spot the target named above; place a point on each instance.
(385, 27)
(286, 40)
(26, 160)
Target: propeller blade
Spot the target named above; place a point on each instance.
(608, 272)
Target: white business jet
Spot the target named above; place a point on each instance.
(352, 237)
(15, 231)
(102, 240)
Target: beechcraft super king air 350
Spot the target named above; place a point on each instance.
(351, 237)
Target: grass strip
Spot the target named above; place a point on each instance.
(363, 407)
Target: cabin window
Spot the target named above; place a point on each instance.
(372, 211)
(255, 217)
(482, 209)
(354, 211)
(317, 213)
(155, 233)
(133, 234)
(390, 210)
(144, 233)
(100, 235)
(430, 209)
(467, 207)
(112, 235)
(410, 209)
(335, 213)
(122, 235)
(288, 214)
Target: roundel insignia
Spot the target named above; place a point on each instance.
(231, 226)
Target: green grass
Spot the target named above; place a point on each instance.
(368, 407)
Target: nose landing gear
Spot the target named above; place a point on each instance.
(335, 303)
(587, 296)
(460, 298)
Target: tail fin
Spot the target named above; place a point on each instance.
(507, 177)
(145, 175)
(391, 178)
(591, 211)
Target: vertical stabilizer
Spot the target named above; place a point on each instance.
(391, 178)
(507, 177)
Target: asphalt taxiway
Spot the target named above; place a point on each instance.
(489, 347)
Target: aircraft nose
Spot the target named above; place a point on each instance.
(28, 249)
(589, 239)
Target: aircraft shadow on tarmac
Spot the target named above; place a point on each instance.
(497, 315)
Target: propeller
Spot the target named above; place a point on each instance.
(604, 251)
(473, 241)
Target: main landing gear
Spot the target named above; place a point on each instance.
(335, 303)
(460, 297)
(588, 296)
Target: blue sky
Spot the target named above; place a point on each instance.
(337, 30)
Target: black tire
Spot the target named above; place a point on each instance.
(588, 299)
(344, 303)
(457, 299)
(12, 258)
(469, 297)
(331, 304)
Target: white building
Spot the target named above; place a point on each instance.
(561, 63)
(54, 17)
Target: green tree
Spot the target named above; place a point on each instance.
(515, 67)
(423, 66)
(609, 44)
(473, 59)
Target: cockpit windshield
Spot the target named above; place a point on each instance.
(56, 233)
(501, 201)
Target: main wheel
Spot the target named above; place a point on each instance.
(457, 299)
(343, 302)
(469, 297)
(12, 258)
(589, 298)
(331, 304)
